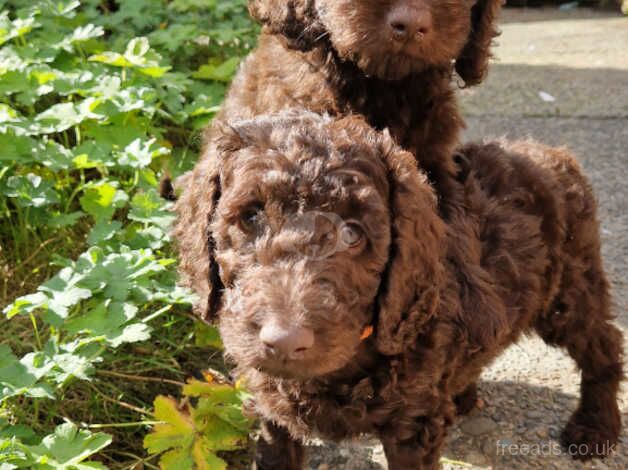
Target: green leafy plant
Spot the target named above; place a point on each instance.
(189, 436)
(65, 449)
(98, 98)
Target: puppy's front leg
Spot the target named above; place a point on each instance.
(421, 452)
(276, 450)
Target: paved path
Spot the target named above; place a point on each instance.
(562, 78)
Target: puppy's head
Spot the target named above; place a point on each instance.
(323, 230)
(390, 39)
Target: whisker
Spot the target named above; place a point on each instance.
(322, 36)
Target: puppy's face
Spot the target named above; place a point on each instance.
(302, 233)
(391, 39)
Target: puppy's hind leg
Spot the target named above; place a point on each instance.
(580, 322)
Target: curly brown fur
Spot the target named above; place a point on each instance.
(277, 200)
(338, 57)
(472, 62)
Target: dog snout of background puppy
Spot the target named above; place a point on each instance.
(393, 39)
(409, 22)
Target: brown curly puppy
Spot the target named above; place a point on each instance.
(391, 61)
(342, 300)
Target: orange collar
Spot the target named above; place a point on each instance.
(368, 331)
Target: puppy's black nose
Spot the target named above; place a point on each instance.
(408, 23)
(290, 342)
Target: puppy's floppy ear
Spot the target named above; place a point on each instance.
(472, 63)
(296, 20)
(410, 289)
(195, 208)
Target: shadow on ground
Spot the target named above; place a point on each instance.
(519, 427)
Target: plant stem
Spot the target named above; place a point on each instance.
(123, 404)
(122, 425)
(158, 313)
(36, 330)
(139, 378)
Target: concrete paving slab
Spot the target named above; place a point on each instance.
(553, 63)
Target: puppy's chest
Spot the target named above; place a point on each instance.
(338, 410)
(400, 113)
(341, 410)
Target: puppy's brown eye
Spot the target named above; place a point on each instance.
(351, 235)
(249, 218)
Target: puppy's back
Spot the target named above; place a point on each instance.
(533, 178)
(534, 216)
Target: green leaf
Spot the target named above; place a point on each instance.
(65, 10)
(16, 28)
(181, 6)
(60, 220)
(204, 458)
(63, 292)
(31, 191)
(207, 335)
(120, 276)
(84, 33)
(14, 82)
(112, 58)
(26, 304)
(221, 72)
(174, 36)
(13, 454)
(154, 71)
(177, 430)
(148, 207)
(136, 50)
(19, 431)
(195, 434)
(69, 366)
(62, 116)
(102, 200)
(178, 459)
(151, 237)
(103, 230)
(140, 154)
(221, 410)
(68, 447)
(112, 322)
(137, 55)
(114, 136)
(21, 377)
(53, 155)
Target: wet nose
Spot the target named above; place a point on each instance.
(407, 23)
(290, 342)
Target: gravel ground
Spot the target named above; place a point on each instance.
(561, 78)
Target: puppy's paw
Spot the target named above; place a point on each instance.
(585, 438)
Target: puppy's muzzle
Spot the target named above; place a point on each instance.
(291, 342)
